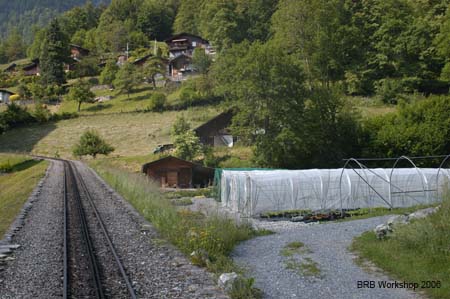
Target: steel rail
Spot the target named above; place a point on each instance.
(106, 234)
(93, 265)
(66, 254)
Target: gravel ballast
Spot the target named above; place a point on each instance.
(34, 270)
(156, 269)
(326, 245)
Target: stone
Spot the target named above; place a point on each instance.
(423, 213)
(382, 231)
(297, 218)
(227, 280)
(397, 219)
(192, 288)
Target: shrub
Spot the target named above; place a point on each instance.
(187, 96)
(6, 167)
(418, 129)
(14, 116)
(157, 102)
(91, 144)
(14, 98)
(388, 90)
(41, 114)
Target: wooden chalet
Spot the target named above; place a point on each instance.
(32, 69)
(172, 172)
(185, 43)
(181, 48)
(215, 132)
(78, 52)
(180, 66)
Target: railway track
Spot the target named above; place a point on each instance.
(92, 267)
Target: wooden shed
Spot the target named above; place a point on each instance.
(215, 132)
(173, 172)
(4, 96)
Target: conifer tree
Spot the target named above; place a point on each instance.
(54, 53)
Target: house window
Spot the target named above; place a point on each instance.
(194, 44)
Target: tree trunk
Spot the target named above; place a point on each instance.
(79, 106)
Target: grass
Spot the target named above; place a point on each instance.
(8, 163)
(138, 101)
(417, 252)
(305, 267)
(17, 185)
(189, 231)
(370, 106)
(365, 213)
(294, 248)
(132, 134)
(296, 260)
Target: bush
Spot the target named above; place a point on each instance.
(418, 129)
(187, 96)
(14, 98)
(41, 114)
(14, 116)
(93, 81)
(6, 167)
(388, 90)
(91, 144)
(157, 102)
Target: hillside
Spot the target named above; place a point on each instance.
(22, 15)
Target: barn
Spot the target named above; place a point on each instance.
(32, 69)
(172, 172)
(215, 131)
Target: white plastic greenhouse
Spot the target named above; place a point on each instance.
(251, 192)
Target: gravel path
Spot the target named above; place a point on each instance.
(36, 269)
(156, 269)
(326, 245)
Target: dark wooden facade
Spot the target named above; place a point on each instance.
(213, 131)
(78, 52)
(185, 43)
(32, 69)
(173, 172)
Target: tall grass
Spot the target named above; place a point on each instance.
(189, 231)
(417, 252)
(15, 187)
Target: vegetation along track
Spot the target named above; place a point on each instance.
(92, 268)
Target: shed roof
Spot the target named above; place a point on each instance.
(182, 34)
(181, 161)
(144, 58)
(180, 56)
(6, 91)
(79, 48)
(223, 118)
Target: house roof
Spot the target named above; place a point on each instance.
(79, 48)
(224, 117)
(6, 91)
(179, 56)
(182, 34)
(33, 64)
(144, 58)
(193, 165)
(11, 67)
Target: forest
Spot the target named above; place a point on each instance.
(288, 67)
